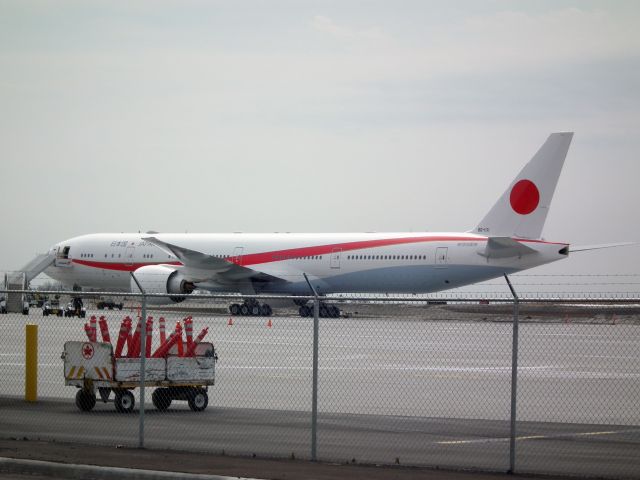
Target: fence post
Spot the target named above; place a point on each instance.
(143, 358)
(143, 362)
(314, 389)
(314, 393)
(514, 377)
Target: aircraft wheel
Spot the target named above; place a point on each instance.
(334, 312)
(304, 311)
(234, 309)
(265, 310)
(255, 310)
(85, 401)
(244, 310)
(324, 312)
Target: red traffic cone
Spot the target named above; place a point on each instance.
(269, 323)
(163, 334)
(230, 322)
(125, 328)
(191, 351)
(104, 330)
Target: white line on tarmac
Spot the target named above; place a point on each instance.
(536, 437)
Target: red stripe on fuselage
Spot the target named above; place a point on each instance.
(279, 255)
(120, 267)
(287, 254)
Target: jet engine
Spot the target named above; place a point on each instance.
(162, 279)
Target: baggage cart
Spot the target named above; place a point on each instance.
(95, 371)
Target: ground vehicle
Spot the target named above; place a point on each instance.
(52, 308)
(109, 304)
(3, 306)
(71, 311)
(91, 367)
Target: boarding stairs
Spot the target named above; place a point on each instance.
(19, 280)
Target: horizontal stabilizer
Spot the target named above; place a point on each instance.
(584, 248)
(505, 247)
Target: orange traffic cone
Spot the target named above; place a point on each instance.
(230, 321)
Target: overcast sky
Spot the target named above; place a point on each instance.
(310, 116)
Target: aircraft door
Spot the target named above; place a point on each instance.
(128, 255)
(237, 255)
(442, 257)
(335, 257)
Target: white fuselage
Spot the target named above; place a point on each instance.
(349, 262)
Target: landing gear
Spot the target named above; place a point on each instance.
(251, 308)
(326, 311)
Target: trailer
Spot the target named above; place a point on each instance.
(93, 369)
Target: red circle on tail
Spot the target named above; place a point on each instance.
(525, 197)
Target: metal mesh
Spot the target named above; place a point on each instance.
(400, 381)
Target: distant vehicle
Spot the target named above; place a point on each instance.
(72, 310)
(109, 304)
(3, 306)
(52, 308)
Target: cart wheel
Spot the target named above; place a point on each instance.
(161, 399)
(198, 400)
(85, 401)
(124, 401)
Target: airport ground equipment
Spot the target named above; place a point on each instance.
(71, 311)
(95, 371)
(52, 308)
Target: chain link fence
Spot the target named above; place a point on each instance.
(408, 381)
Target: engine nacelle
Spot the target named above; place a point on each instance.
(161, 279)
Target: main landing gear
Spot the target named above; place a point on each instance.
(251, 308)
(326, 311)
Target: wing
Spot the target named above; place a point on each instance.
(201, 267)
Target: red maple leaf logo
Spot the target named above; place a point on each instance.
(87, 351)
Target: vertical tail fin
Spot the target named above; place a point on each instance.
(522, 209)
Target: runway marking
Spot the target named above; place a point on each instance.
(536, 437)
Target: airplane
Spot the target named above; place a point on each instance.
(507, 240)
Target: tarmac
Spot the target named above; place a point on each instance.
(441, 399)
(24, 459)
